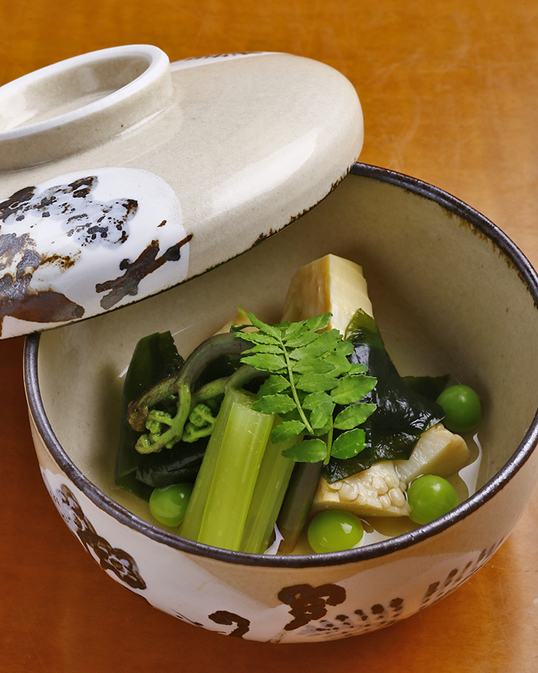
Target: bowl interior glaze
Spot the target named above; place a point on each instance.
(450, 292)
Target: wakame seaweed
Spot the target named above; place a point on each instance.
(402, 412)
(172, 466)
(428, 386)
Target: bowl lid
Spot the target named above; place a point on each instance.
(122, 174)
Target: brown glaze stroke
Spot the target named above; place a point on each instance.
(147, 262)
(308, 603)
(17, 299)
(230, 618)
(113, 559)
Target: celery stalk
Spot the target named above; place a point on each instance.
(271, 485)
(223, 490)
(195, 510)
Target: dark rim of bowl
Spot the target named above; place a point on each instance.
(379, 549)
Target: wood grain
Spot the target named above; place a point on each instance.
(449, 93)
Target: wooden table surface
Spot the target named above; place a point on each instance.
(449, 91)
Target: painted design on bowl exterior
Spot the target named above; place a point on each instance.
(299, 612)
(111, 559)
(83, 243)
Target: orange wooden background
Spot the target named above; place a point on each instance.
(449, 91)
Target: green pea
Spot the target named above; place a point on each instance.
(430, 497)
(462, 408)
(168, 505)
(334, 530)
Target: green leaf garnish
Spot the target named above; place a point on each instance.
(321, 415)
(273, 384)
(310, 375)
(274, 404)
(405, 406)
(286, 430)
(314, 365)
(307, 451)
(267, 362)
(352, 388)
(313, 382)
(348, 444)
(353, 416)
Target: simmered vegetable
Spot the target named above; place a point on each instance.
(168, 505)
(221, 499)
(438, 451)
(377, 491)
(269, 492)
(430, 497)
(332, 285)
(305, 420)
(155, 357)
(172, 466)
(462, 408)
(334, 530)
(166, 427)
(297, 504)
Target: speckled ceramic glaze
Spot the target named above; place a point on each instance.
(123, 175)
(451, 294)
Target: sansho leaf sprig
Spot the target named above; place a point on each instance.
(309, 375)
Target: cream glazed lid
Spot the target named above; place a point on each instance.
(122, 174)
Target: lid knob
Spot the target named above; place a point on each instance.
(80, 103)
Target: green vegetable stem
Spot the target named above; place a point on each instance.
(222, 494)
(297, 502)
(269, 492)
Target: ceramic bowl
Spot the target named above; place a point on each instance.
(450, 292)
